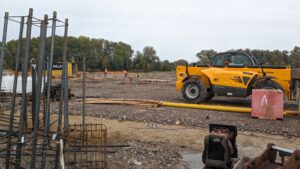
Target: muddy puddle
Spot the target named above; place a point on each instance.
(192, 159)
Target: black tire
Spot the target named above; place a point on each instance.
(209, 96)
(194, 91)
(268, 84)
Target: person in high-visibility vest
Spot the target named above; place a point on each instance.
(125, 74)
(105, 73)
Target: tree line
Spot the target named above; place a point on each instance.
(266, 57)
(101, 54)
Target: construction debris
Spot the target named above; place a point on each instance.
(128, 102)
(55, 92)
(267, 159)
(147, 155)
(153, 80)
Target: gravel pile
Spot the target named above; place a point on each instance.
(142, 155)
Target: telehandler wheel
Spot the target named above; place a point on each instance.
(209, 96)
(194, 91)
(268, 84)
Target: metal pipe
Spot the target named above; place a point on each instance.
(13, 100)
(3, 46)
(49, 82)
(65, 75)
(40, 68)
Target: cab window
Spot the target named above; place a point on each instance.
(232, 59)
(240, 59)
(222, 59)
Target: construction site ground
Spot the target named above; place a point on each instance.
(166, 137)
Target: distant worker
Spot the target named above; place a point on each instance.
(125, 74)
(137, 76)
(130, 78)
(105, 73)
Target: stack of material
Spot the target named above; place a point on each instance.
(146, 81)
(55, 92)
(5, 97)
(153, 80)
(129, 102)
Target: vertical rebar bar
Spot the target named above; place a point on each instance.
(83, 93)
(50, 60)
(3, 46)
(40, 68)
(84, 127)
(45, 80)
(60, 112)
(33, 78)
(13, 100)
(49, 81)
(23, 114)
(65, 75)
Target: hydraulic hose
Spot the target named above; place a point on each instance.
(217, 107)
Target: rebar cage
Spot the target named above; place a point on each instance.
(86, 146)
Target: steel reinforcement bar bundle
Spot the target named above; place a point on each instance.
(20, 140)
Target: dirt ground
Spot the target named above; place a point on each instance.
(158, 136)
(166, 137)
(165, 91)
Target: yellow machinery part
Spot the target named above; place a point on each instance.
(217, 107)
(282, 76)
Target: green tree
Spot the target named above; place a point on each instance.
(137, 60)
(180, 62)
(122, 56)
(205, 56)
(166, 66)
(150, 60)
(295, 56)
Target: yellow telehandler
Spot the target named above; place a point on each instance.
(234, 74)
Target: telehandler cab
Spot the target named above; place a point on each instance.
(233, 74)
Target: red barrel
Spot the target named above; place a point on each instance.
(267, 104)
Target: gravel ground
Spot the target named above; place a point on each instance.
(147, 156)
(159, 155)
(165, 91)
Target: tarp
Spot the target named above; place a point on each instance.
(8, 81)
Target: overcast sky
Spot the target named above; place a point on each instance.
(175, 28)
